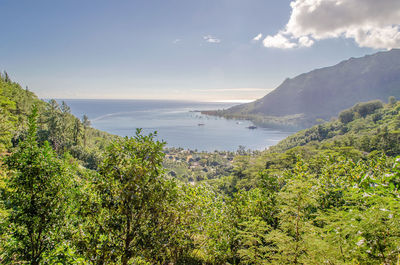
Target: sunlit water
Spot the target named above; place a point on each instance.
(176, 122)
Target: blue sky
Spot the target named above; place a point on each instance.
(175, 49)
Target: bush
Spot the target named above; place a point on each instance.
(346, 116)
(367, 108)
(392, 100)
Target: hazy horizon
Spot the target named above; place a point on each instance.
(239, 101)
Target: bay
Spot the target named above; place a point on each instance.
(177, 122)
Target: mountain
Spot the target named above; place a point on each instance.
(322, 93)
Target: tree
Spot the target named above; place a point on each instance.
(296, 203)
(66, 126)
(65, 109)
(365, 230)
(392, 100)
(346, 116)
(254, 215)
(36, 197)
(7, 119)
(86, 125)
(253, 238)
(6, 77)
(60, 125)
(133, 196)
(54, 124)
(366, 108)
(77, 131)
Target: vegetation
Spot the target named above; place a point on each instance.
(367, 127)
(288, 122)
(36, 217)
(70, 194)
(193, 167)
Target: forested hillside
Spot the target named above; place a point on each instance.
(70, 194)
(56, 124)
(323, 93)
(368, 126)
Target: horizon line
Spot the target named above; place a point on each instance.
(160, 99)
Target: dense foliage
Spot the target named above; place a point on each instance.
(369, 126)
(72, 195)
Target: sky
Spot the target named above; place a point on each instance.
(208, 50)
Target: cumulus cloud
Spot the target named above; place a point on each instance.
(211, 39)
(305, 41)
(371, 23)
(280, 41)
(258, 37)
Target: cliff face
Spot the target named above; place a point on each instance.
(322, 93)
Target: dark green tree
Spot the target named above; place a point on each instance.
(366, 108)
(77, 132)
(392, 100)
(346, 116)
(86, 125)
(54, 124)
(36, 197)
(6, 77)
(133, 195)
(7, 120)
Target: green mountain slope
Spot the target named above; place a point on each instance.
(322, 93)
(64, 131)
(372, 127)
(373, 131)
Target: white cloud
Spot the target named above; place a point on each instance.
(387, 37)
(371, 23)
(258, 37)
(176, 41)
(305, 41)
(279, 41)
(211, 39)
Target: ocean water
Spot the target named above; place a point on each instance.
(177, 122)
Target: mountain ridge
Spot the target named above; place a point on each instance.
(322, 93)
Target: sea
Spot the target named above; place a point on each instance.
(178, 123)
